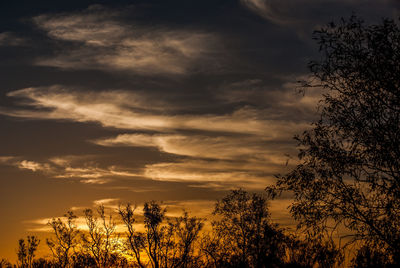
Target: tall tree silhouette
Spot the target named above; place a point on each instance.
(135, 241)
(349, 173)
(99, 241)
(65, 239)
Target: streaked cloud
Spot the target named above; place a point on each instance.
(24, 164)
(219, 147)
(284, 102)
(34, 166)
(198, 208)
(246, 146)
(265, 8)
(6, 159)
(88, 172)
(110, 109)
(11, 39)
(304, 16)
(108, 43)
(218, 175)
(109, 203)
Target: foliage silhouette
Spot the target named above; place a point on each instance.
(65, 240)
(98, 241)
(164, 244)
(5, 263)
(349, 173)
(134, 243)
(244, 236)
(26, 251)
(372, 256)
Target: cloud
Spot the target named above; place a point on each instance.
(284, 102)
(242, 147)
(198, 208)
(34, 166)
(111, 109)
(71, 167)
(24, 164)
(11, 39)
(220, 147)
(264, 8)
(109, 203)
(219, 175)
(92, 174)
(304, 16)
(7, 159)
(41, 225)
(108, 43)
(95, 181)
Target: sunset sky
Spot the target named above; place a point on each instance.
(135, 100)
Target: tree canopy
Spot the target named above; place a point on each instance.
(349, 171)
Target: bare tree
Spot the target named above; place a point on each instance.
(135, 241)
(33, 243)
(186, 232)
(100, 241)
(164, 242)
(26, 251)
(65, 239)
(153, 217)
(22, 253)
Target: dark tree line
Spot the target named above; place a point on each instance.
(241, 235)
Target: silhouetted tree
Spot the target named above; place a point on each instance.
(5, 264)
(22, 253)
(164, 242)
(26, 251)
(43, 263)
(313, 250)
(349, 173)
(243, 236)
(99, 241)
(153, 217)
(185, 230)
(135, 241)
(369, 256)
(65, 240)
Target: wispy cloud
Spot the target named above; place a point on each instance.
(220, 147)
(34, 166)
(246, 145)
(87, 172)
(107, 43)
(264, 8)
(111, 110)
(7, 159)
(11, 39)
(24, 164)
(212, 174)
(306, 15)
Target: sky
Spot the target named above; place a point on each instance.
(108, 102)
